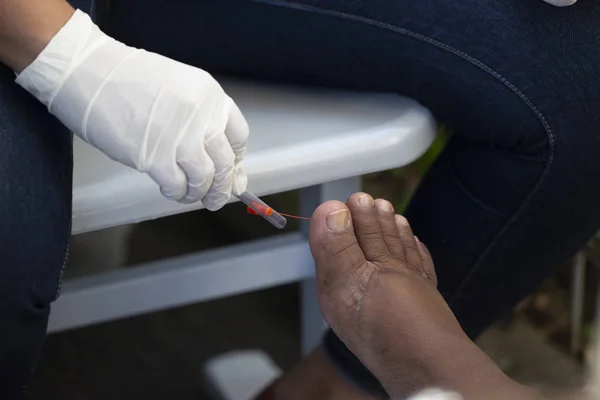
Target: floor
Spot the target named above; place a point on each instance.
(160, 356)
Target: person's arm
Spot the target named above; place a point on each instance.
(170, 120)
(27, 26)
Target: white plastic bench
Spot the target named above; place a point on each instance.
(320, 141)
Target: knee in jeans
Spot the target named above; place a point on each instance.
(35, 233)
(35, 210)
(31, 277)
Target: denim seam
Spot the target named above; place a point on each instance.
(66, 256)
(472, 60)
(67, 252)
(471, 196)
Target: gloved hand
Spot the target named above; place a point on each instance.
(144, 110)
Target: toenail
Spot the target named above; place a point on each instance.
(401, 220)
(338, 220)
(385, 206)
(366, 200)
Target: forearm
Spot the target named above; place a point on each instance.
(26, 27)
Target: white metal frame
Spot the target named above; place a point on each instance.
(318, 139)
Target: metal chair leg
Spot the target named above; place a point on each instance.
(577, 300)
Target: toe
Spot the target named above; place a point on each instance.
(427, 261)
(391, 233)
(411, 258)
(338, 257)
(367, 228)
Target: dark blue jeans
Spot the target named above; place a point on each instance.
(35, 224)
(514, 194)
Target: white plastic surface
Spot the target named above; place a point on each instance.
(299, 137)
(436, 394)
(240, 375)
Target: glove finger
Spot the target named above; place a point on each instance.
(240, 180)
(170, 177)
(222, 155)
(198, 167)
(237, 132)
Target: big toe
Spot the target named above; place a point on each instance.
(339, 259)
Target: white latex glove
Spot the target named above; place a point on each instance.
(144, 110)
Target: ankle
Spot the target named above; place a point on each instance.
(315, 378)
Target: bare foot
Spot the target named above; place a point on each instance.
(377, 290)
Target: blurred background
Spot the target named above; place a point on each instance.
(546, 341)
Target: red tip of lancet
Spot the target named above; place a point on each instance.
(251, 211)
